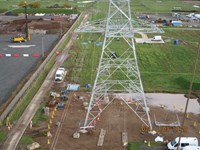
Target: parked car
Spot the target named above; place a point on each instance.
(60, 74)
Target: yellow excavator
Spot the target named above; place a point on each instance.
(21, 38)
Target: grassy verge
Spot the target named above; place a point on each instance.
(39, 116)
(2, 136)
(26, 140)
(25, 100)
(138, 145)
(66, 40)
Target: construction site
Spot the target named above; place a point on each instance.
(111, 112)
(64, 121)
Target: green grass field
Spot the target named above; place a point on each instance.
(137, 145)
(159, 5)
(168, 67)
(100, 7)
(2, 136)
(163, 67)
(13, 5)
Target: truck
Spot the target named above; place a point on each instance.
(184, 141)
(157, 38)
(191, 148)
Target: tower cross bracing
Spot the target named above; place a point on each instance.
(118, 76)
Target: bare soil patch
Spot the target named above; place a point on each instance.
(116, 119)
(192, 2)
(18, 26)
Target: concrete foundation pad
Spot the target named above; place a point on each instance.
(147, 40)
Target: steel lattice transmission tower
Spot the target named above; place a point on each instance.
(118, 76)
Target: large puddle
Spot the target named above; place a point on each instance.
(172, 102)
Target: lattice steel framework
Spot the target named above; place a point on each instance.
(99, 26)
(118, 76)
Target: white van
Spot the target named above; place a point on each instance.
(59, 74)
(184, 141)
(191, 148)
(157, 38)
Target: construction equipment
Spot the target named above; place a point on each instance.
(20, 38)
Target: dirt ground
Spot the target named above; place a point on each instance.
(116, 119)
(17, 26)
(192, 2)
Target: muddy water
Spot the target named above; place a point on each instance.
(172, 102)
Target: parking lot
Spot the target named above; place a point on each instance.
(17, 61)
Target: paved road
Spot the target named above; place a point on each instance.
(18, 130)
(14, 69)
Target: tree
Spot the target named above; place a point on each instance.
(22, 3)
(66, 5)
(34, 5)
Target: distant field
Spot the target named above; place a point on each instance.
(9, 5)
(99, 9)
(159, 5)
(136, 5)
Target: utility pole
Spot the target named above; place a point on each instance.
(42, 45)
(26, 20)
(189, 93)
(60, 28)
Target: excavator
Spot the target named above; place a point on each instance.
(20, 38)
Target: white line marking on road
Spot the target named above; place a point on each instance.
(7, 55)
(26, 55)
(20, 46)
